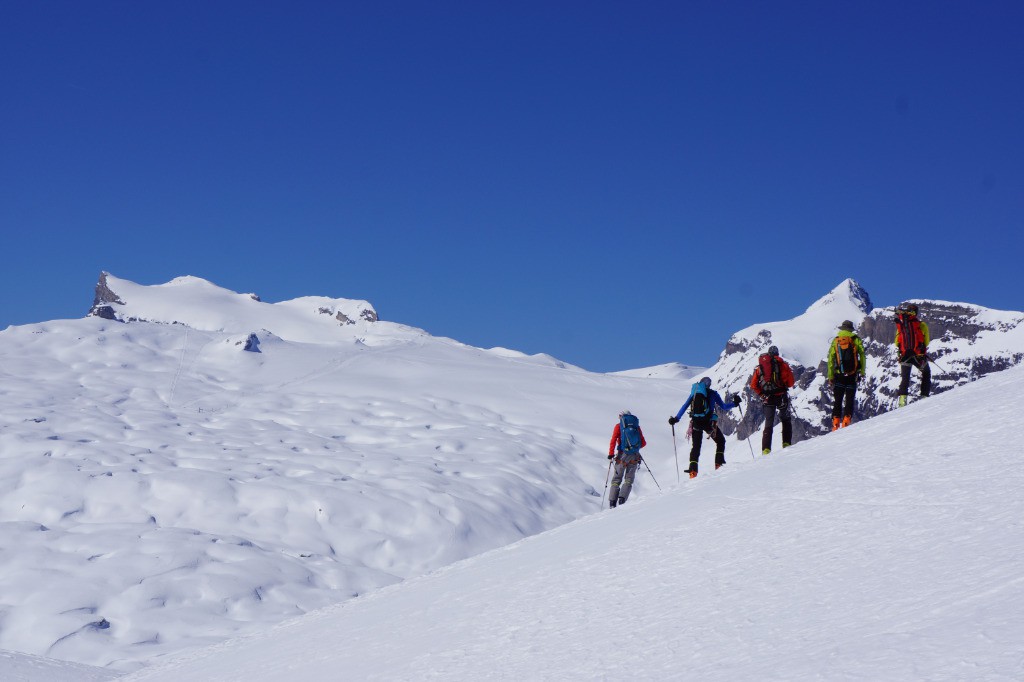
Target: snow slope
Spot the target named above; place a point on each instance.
(890, 550)
(161, 488)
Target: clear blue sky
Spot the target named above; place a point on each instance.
(618, 184)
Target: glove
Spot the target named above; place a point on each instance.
(672, 421)
(831, 382)
(736, 399)
(611, 456)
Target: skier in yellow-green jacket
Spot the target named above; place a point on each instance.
(846, 367)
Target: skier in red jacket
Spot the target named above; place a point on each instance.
(771, 382)
(627, 439)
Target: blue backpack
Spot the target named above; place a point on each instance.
(629, 435)
(700, 400)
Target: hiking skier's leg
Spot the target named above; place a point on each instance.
(786, 417)
(627, 481)
(904, 381)
(719, 447)
(838, 393)
(850, 394)
(613, 494)
(769, 424)
(698, 438)
(926, 377)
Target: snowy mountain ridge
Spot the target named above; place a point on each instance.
(203, 306)
(968, 342)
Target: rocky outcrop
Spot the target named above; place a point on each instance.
(105, 299)
(252, 343)
(367, 315)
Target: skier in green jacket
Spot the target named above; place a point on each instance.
(846, 367)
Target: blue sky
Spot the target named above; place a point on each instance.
(617, 184)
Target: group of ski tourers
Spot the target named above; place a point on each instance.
(770, 382)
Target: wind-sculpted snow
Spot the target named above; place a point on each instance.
(161, 489)
(890, 550)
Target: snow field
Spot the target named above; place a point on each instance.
(888, 550)
(172, 490)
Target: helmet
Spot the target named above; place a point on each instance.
(907, 308)
(847, 325)
(706, 381)
(773, 350)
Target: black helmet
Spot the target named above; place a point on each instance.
(773, 350)
(706, 381)
(847, 325)
(907, 308)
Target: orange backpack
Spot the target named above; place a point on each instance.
(847, 358)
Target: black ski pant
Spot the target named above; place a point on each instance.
(844, 389)
(778, 403)
(701, 426)
(921, 362)
(622, 480)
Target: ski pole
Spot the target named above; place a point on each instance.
(748, 437)
(937, 365)
(650, 472)
(606, 477)
(674, 450)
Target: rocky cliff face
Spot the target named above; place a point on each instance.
(967, 342)
(105, 300)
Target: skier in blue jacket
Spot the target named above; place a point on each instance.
(703, 419)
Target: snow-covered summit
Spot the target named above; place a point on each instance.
(847, 293)
(800, 339)
(670, 370)
(204, 306)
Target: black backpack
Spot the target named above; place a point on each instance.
(700, 400)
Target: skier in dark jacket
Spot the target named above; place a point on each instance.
(703, 419)
(625, 450)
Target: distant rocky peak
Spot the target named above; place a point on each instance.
(848, 291)
(105, 299)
